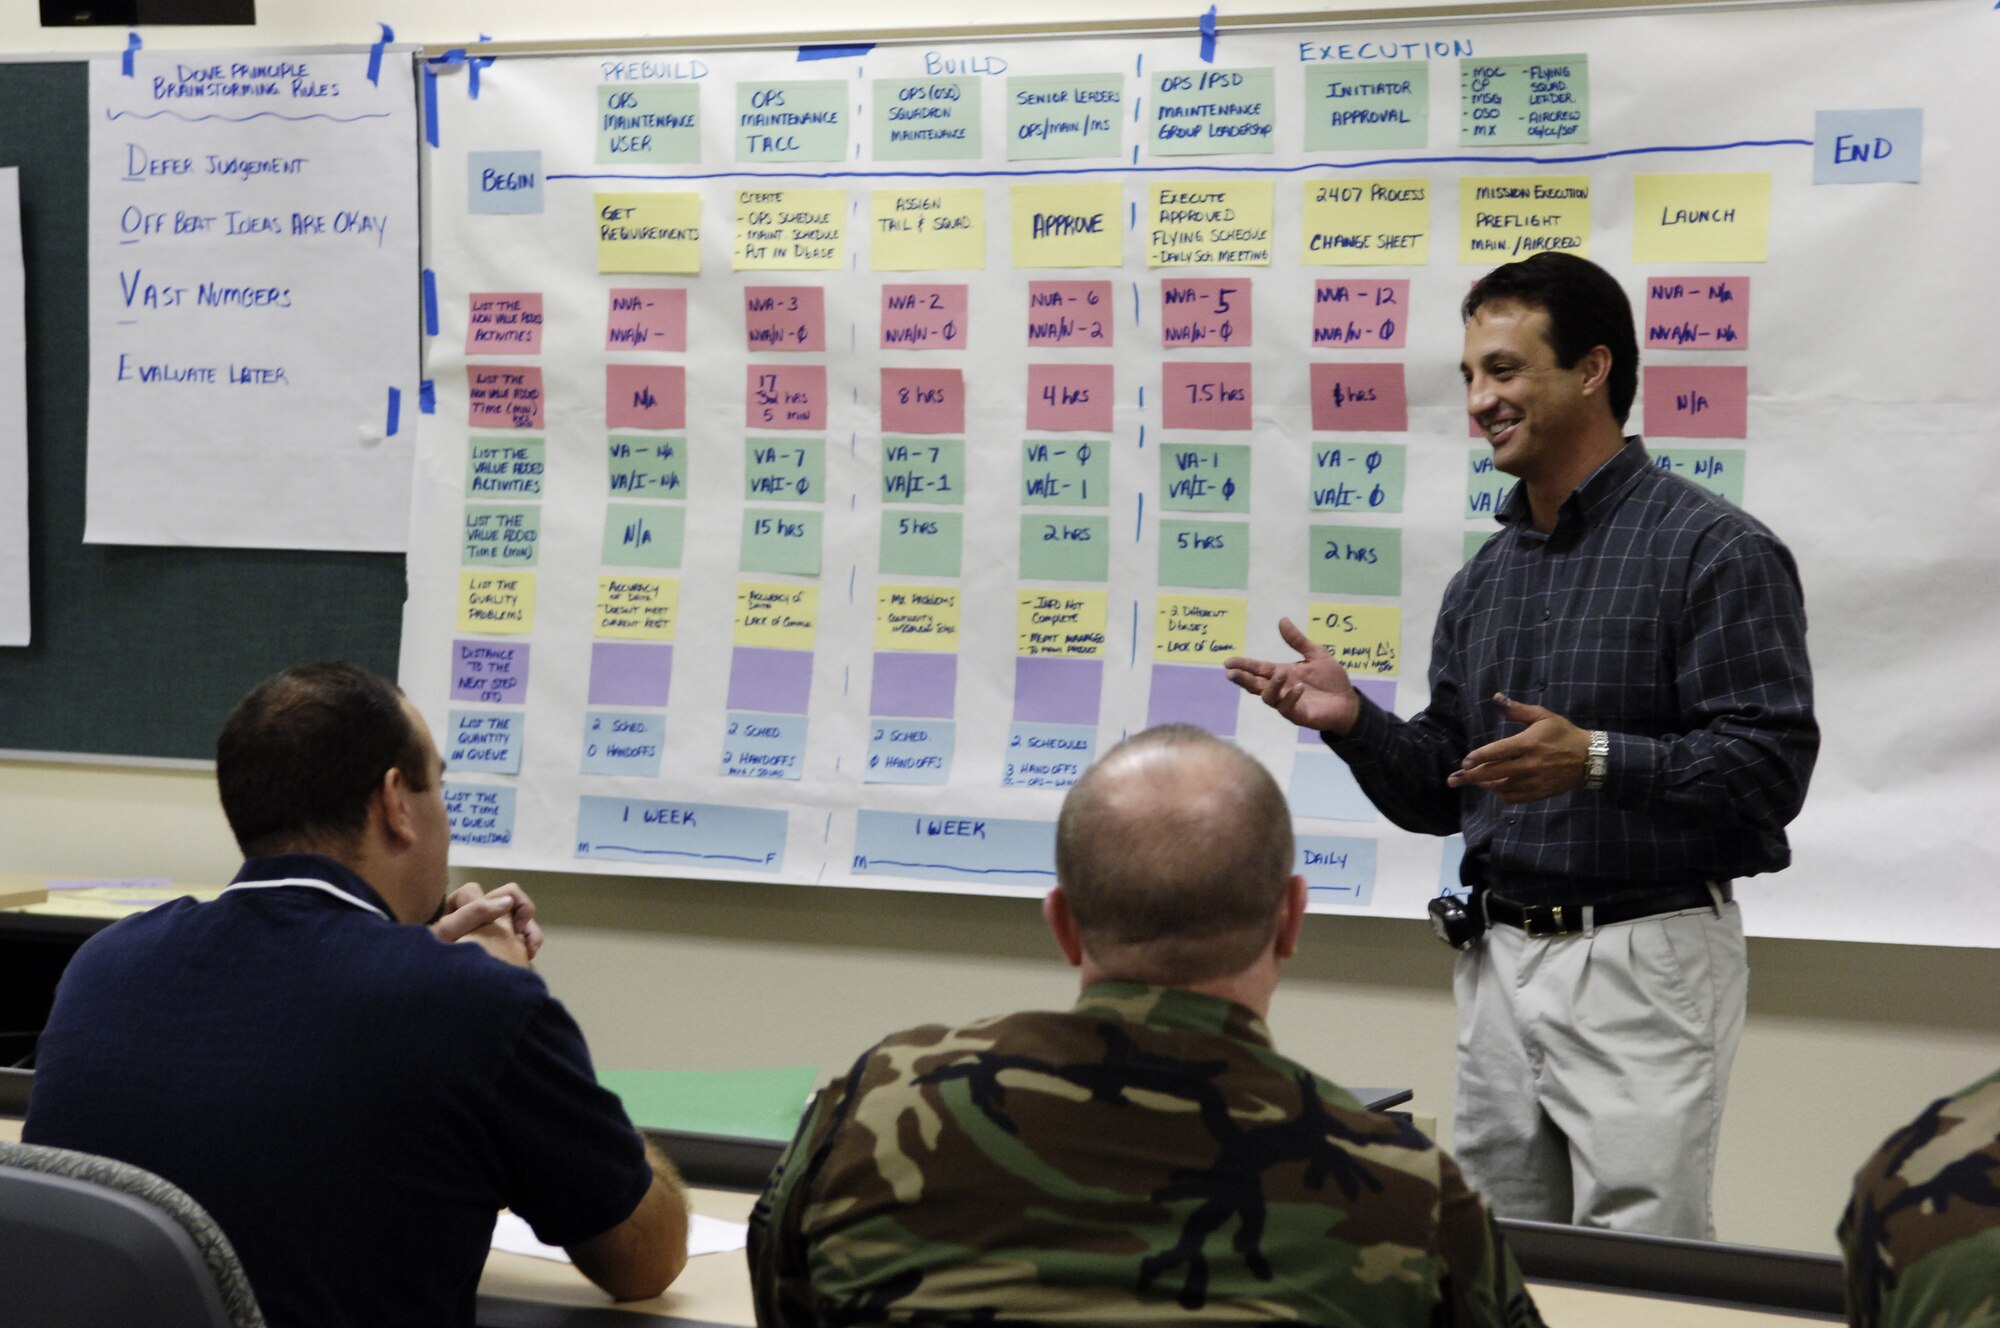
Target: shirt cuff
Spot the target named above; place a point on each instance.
(1366, 739)
(1632, 775)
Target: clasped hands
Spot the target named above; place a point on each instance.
(1548, 756)
(502, 922)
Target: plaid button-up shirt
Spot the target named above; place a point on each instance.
(1655, 611)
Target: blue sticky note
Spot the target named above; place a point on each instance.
(503, 182)
(1048, 755)
(482, 815)
(617, 742)
(487, 740)
(1868, 147)
(639, 830)
(1323, 788)
(763, 746)
(940, 846)
(910, 751)
(1339, 869)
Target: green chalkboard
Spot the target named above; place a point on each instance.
(138, 651)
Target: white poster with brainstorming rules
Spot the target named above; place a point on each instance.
(13, 421)
(253, 300)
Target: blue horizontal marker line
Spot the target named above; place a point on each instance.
(969, 871)
(677, 853)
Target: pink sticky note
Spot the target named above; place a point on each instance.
(1205, 396)
(1697, 313)
(1069, 397)
(923, 318)
(785, 396)
(1360, 398)
(784, 317)
(1069, 313)
(645, 396)
(923, 401)
(1361, 313)
(1205, 311)
(504, 323)
(504, 396)
(1698, 401)
(648, 318)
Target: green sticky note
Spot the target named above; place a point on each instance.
(1210, 112)
(1356, 560)
(1380, 106)
(785, 470)
(648, 466)
(922, 543)
(1066, 472)
(1717, 469)
(926, 119)
(1485, 487)
(508, 467)
(923, 470)
(781, 540)
(648, 123)
(1065, 116)
(741, 1104)
(502, 536)
(1525, 101)
(1065, 548)
(803, 121)
(1358, 477)
(644, 534)
(1475, 540)
(1205, 555)
(1205, 478)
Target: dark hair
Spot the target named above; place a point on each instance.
(1586, 308)
(301, 756)
(1174, 852)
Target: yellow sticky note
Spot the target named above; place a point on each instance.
(649, 232)
(781, 616)
(794, 229)
(637, 608)
(1217, 223)
(1364, 638)
(1701, 218)
(1366, 223)
(928, 230)
(916, 618)
(1198, 629)
(497, 603)
(1505, 217)
(1068, 225)
(1065, 624)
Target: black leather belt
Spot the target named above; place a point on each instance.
(1564, 919)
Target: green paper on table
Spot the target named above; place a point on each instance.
(745, 1104)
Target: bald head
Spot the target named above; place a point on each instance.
(1175, 854)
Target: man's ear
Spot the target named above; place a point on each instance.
(1062, 924)
(1595, 366)
(1291, 918)
(392, 803)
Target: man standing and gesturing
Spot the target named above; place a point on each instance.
(1620, 722)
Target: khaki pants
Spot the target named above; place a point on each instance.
(1592, 1068)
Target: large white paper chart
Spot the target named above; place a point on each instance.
(14, 618)
(253, 299)
(835, 451)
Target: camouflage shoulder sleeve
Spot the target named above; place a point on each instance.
(780, 1276)
(1482, 1285)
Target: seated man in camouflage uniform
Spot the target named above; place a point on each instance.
(1922, 1234)
(1147, 1157)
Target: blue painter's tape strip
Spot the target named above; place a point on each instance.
(473, 64)
(430, 108)
(1208, 36)
(427, 397)
(395, 410)
(835, 52)
(132, 45)
(375, 53)
(430, 302)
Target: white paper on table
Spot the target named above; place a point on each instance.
(706, 1235)
(14, 622)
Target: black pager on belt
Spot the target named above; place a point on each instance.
(1455, 924)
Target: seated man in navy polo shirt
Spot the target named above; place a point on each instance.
(350, 1097)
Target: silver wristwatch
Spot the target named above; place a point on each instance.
(1597, 765)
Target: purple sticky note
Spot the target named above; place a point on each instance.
(503, 396)
(1069, 313)
(1359, 398)
(1697, 313)
(1382, 691)
(778, 682)
(1698, 401)
(1205, 311)
(647, 318)
(785, 396)
(630, 673)
(915, 685)
(923, 317)
(1070, 397)
(1205, 396)
(1185, 694)
(645, 396)
(490, 672)
(1361, 313)
(1057, 691)
(504, 323)
(923, 401)
(784, 317)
